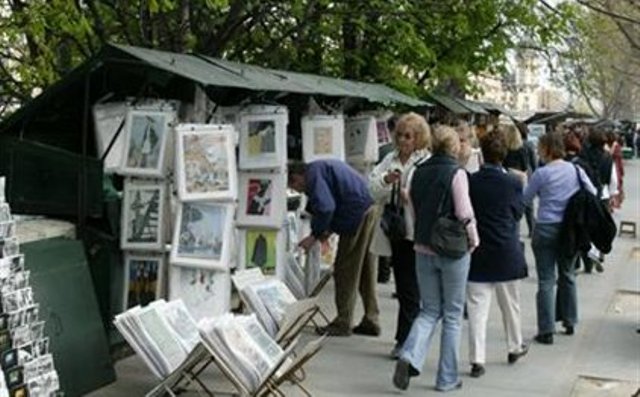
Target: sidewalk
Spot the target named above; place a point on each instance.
(601, 359)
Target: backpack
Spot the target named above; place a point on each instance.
(586, 221)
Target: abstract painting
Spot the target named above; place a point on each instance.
(206, 162)
(145, 142)
(142, 216)
(202, 235)
(263, 134)
(143, 279)
(323, 138)
(262, 199)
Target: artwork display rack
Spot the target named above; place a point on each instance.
(28, 367)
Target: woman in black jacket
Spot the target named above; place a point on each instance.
(498, 264)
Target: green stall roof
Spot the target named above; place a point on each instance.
(450, 104)
(474, 107)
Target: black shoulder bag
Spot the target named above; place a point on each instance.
(392, 222)
(449, 234)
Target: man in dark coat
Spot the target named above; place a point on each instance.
(339, 202)
(498, 263)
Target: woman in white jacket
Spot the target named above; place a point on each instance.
(412, 139)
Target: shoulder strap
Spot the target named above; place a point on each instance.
(447, 191)
(578, 176)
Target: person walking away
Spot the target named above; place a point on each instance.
(412, 139)
(614, 141)
(532, 164)
(554, 184)
(498, 263)
(339, 202)
(606, 182)
(441, 279)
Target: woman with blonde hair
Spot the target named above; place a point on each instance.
(412, 140)
(441, 278)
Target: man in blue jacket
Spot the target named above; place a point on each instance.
(339, 202)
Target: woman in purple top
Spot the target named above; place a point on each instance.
(554, 184)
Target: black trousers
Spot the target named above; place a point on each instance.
(403, 263)
(528, 215)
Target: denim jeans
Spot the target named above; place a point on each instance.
(442, 283)
(545, 244)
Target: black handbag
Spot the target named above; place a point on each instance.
(392, 222)
(448, 233)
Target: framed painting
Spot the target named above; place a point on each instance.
(205, 292)
(142, 216)
(262, 248)
(147, 132)
(262, 199)
(202, 236)
(263, 140)
(206, 162)
(143, 279)
(361, 139)
(322, 138)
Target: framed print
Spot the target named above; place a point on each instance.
(5, 212)
(263, 140)
(206, 162)
(9, 247)
(262, 199)
(7, 229)
(142, 216)
(262, 248)
(143, 279)
(202, 235)
(145, 141)
(205, 292)
(361, 139)
(3, 182)
(322, 138)
(107, 118)
(382, 128)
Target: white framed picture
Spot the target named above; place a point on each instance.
(323, 138)
(263, 139)
(142, 215)
(147, 133)
(202, 235)
(107, 118)
(262, 248)
(205, 292)
(206, 162)
(361, 139)
(262, 200)
(143, 279)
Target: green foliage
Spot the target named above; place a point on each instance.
(601, 62)
(412, 45)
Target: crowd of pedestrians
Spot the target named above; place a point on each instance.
(480, 187)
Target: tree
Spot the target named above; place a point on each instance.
(412, 45)
(601, 63)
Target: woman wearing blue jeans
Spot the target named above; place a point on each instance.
(554, 184)
(441, 280)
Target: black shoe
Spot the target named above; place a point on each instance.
(545, 339)
(367, 328)
(401, 375)
(598, 266)
(333, 330)
(477, 370)
(513, 357)
(569, 330)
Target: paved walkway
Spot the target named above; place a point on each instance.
(601, 359)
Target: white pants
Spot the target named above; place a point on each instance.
(478, 303)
